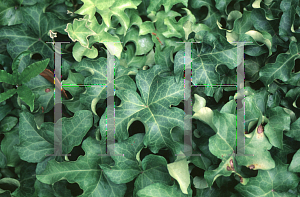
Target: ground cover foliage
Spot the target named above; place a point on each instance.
(149, 97)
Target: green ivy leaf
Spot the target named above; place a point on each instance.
(157, 94)
(257, 145)
(7, 94)
(35, 143)
(294, 166)
(283, 66)
(27, 96)
(85, 171)
(161, 190)
(273, 182)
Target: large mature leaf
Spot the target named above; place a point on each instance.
(85, 171)
(273, 182)
(257, 144)
(279, 121)
(32, 35)
(35, 143)
(98, 70)
(152, 108)
(161, 190)
(126, 167)
(283, 66)
(11, 12)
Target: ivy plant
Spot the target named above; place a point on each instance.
(145, 43)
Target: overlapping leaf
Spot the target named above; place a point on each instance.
(152, 108)
(273, 182)
(35, 143)
(85, 171)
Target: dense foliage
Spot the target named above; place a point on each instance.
(149, 97)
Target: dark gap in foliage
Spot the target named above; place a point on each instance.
(74, 188)
(130, 43)
(37, 56)
(66, 113)
(70, 47)
(62, 37)
(98, 17)
(1, 137)
(100, 110)
(197, 172)
(49, 117)
(226, 95)
(298, 102)
(136, 127)
(130, 188)
(69, 94)
(145, 18)
(177, 18)
(10, 187)
(257, 85)
(138, 91)
(289, 157)
(76, 152)
(191, 35)
(297, 66)
(248, 172)
(180, 105)
(223, 22)
(166, 153)
(204, 11)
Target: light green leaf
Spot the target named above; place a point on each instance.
(79, 31)
(168, 4)
(179, 170)
(79, 51)
(89, 7)
(143, 44)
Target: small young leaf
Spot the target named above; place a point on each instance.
(7, 77)
(17, 60)
(33, 70)
(27, 96)
(7, 94)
